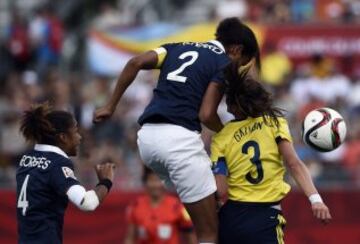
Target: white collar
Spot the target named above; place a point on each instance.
(218, 44)
(50, 148)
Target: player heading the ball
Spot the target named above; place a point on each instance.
(45, 176)
(250, 154)
(190, 87)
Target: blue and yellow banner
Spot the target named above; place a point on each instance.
(141, 39)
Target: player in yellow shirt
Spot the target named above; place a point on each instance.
(249, 155)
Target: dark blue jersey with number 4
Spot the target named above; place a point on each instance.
(43, 178)
(186, 72)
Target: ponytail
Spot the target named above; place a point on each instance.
(231, 31)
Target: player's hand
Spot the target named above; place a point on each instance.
(105, 171)
(321, 212)
(103, 113)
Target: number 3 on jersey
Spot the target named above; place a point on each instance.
(175, 75)
(22, 201)
(254, 160)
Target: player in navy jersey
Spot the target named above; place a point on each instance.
(45, 177)
(189, 90)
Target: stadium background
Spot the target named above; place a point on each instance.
(71, 52)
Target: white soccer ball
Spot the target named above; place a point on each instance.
(324, 129)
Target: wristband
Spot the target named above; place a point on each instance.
(105, 182)
(315, 198)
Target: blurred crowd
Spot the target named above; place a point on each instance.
(32, 70)
(292, 11)
(315, 84)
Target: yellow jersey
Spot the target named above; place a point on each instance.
(254, 166)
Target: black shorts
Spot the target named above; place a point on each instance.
(250, 223)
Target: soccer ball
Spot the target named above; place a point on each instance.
(323, 129)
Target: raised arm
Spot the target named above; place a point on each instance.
(90, 200)
(148, 60)
(301, 174)
(208, 111)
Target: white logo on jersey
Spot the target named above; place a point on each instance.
(69, 173)
(164, 231)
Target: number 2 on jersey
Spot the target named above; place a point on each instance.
(175, 75)
(254, 160)
(22, 201)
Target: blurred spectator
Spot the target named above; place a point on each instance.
(302, 10)
(353, 10)
(320, 82)
(351, 157)
(275, 66)
(231, 8)
(12, 142)
(32, 87)
(353, 97)
(109, 16)
(18, 42)
(31, 71)
(334, 9)
(157, 217)
(276, 11)
(46, 32)
(299, 87)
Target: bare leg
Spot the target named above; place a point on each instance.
(204, 217)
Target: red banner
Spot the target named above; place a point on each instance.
(341, 42)
(302, 41)
(107, 224)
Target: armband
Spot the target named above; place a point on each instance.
(220, 167)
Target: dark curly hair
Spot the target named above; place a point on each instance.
(41, 124)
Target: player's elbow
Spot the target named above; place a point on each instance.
(90, 202)
(294, 165)
(135, 63)
(84, 200)
(206, 116)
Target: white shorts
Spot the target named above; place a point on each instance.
(178, 157)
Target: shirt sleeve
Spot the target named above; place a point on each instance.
(219, 76)
(162, 52)
(63, 177)
(282, 131)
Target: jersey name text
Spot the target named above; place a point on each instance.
(247, 129)
(213, 48)
(31, 161)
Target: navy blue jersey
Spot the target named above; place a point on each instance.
(185, 73)
(43, 177)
